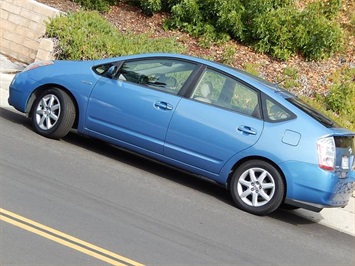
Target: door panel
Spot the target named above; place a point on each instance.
(221, 119)
(206, 136)
(131, 113)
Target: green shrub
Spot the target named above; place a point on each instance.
(99, 5)
(273, 33)
(289, 78)
(187, 16)
(338, 104)
(276, 27)
(87, 35)
(255, 8)
(341, 98)
(282, 32)
(319, 37)
(328, 9)
(227, 56)
(149, 7)
(214, 20)
(229, 17)
(251, 68)
(318, 104)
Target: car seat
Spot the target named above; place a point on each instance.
(205, 92)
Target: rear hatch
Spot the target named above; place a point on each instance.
(336, 153)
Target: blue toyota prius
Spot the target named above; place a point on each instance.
(262, 143)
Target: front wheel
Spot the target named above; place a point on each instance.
(257, 187)
(53, 113)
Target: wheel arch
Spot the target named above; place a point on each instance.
(37, 92)
(249, 158)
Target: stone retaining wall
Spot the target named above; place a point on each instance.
(22, 27)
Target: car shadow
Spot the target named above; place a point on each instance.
(149, 165)
(185, 179)
(175, 175)
(15, 117)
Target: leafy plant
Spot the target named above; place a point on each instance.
(229, 17)
(273, 33)
(251, 68)
(99, 5)
(317, 37)
(338, 103)
(289, 78)
(150, 7)
(341, 96)
(276, 27)
(328, 9)
(255, 8)
(228, 54)
(187, 16)
(87, 35)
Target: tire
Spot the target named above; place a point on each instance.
(257, 187)
(53, 114)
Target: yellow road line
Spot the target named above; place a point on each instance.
(65, 239)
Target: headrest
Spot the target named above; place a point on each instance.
(205, 90)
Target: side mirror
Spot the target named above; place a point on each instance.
(112, 71)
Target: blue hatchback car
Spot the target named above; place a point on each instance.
(262, 143)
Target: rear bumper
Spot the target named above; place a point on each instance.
(312, 188)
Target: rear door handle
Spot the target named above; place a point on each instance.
(163, 105)
(247, 130)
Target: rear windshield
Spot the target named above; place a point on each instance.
(345, 142)
(325, 121)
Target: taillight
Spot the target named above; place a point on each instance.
(326, 153)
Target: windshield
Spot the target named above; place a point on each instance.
(325, 121)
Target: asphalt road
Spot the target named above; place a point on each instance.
(136, 209)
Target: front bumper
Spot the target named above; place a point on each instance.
(20, 90)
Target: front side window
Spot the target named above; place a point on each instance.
(162, 74)
(223, 91)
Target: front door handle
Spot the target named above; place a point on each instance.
(247, 130)
(163, 105)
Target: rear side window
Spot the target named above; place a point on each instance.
(274, 112)
(224, 91)
(345, 142)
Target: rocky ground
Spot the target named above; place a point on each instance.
(311, 76)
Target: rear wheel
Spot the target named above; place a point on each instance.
(257, 187)
(53, 113)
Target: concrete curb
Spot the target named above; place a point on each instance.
(341, 219)
(9, 67)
